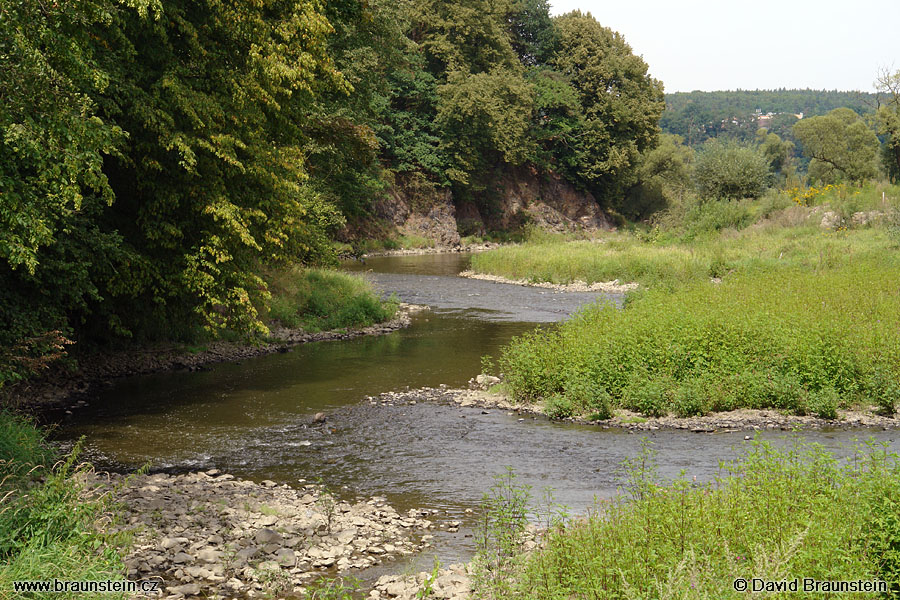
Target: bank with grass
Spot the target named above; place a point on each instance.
(781, 314)
(48, 522)
(773, 515)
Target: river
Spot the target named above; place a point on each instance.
(251, 418)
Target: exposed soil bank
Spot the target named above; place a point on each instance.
(736, 420)
(60, 388)
(438, 250)
(612, 287)
(215, 536)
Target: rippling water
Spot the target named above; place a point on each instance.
(252, 418)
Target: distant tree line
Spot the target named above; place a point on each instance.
(699, 116)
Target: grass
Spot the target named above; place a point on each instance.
(320, 300)
(797, 318)
(703, 240)
(774, 514)
(796, 340)
(47, 520)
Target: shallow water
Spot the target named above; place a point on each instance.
(252, 418)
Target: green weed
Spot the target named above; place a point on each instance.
(774, 513)
(319, 300)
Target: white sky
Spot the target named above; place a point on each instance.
(725, 45)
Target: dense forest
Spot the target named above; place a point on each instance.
(699, 116)
(160, 158)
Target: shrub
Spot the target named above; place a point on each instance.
(797, 509)
(760, 339)
(690, 399)
(728, 170)
(588, 396)
(884, 389)
(559, 406)
(646, 396)
(824, 403)
(715, 215)
(318, 299)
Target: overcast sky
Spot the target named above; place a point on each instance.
(724, 45)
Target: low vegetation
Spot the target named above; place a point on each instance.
(48, 525)
(320, 299)
(774, 513)
(780, 314)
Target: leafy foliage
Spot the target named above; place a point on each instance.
(840, 144)
(726, 170)
(798, 510)
(620, 103)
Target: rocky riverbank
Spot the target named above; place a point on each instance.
(211, 535)
(609, 287)
(451, 583)
(66, 390)
(737, 420)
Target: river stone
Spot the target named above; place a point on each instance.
(267, 521)
(487, 380)
(395, 589)
(267, 536)
(247, 553)
(191, 589)
(182, 557)
(286, 557)
(197, 572)
(271, 548)
(168, 543)
(209, 555)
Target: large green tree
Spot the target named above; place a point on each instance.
(56, 252)
(213, 184)
(888, 120)
(725, 169)
(839, 144)
(620, 103)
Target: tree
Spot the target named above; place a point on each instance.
(777, 153)
(663, 175)
(463, 36)
(839, 144)
(56, 253)
(484, 118)
(888, 121)
(620, 103)
(535, 38)
(729, 170)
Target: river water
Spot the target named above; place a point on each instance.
(251, 418)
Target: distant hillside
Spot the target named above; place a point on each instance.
(698, 116)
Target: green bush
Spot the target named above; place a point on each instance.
(587, 396)
(716, 215)
(883, 388)
(47, 517)
(559, 406)
(727, 170)
(766, 339)
(690, 399)
(824, 403)
(649, 397)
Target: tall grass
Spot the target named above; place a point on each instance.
(48, 520)
(319, 299)
(774, 514)
(700, 240)
(792, 339)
